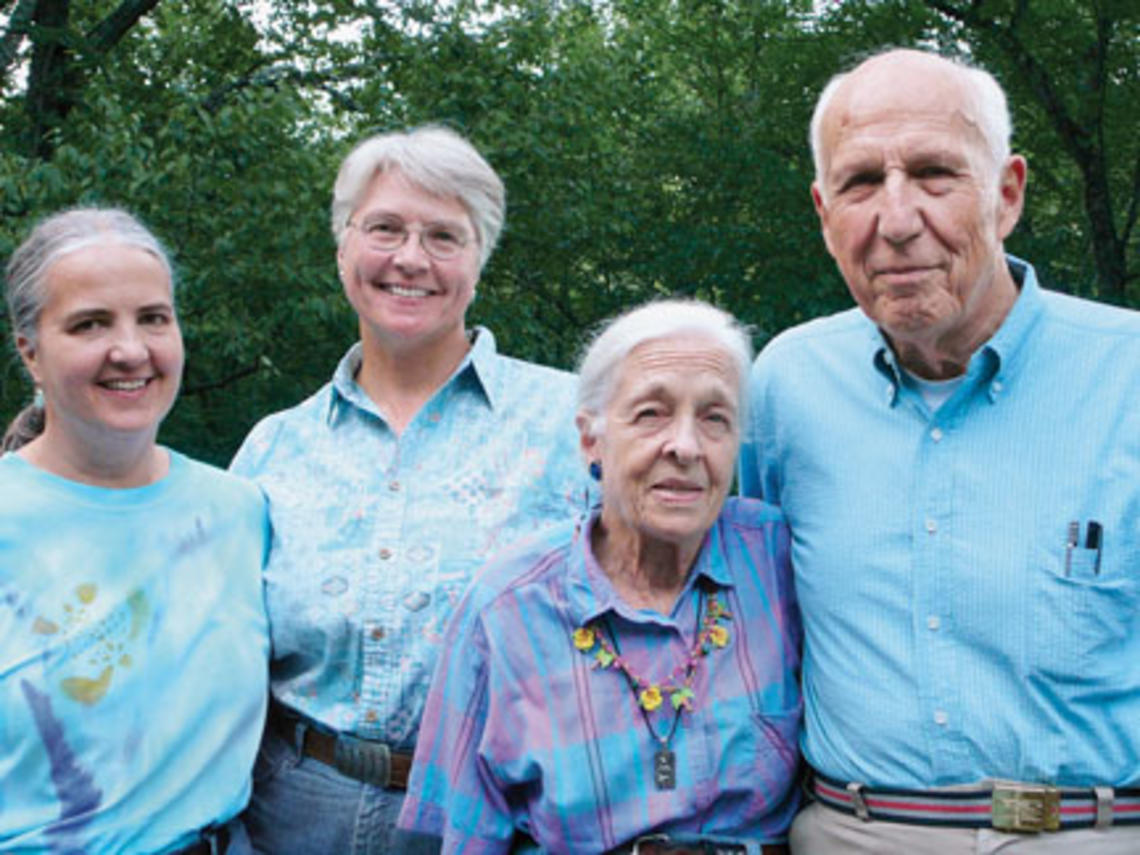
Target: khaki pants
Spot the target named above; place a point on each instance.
(820, 830)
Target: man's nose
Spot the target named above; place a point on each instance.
(899, 215)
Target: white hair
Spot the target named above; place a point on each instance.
(434, 158)
(660, 319)
(985, 103)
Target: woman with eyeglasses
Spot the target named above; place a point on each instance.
(133, 634)
(389, 487)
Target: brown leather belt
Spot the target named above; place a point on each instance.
(360, 759)
(203, 847)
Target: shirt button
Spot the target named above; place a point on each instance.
(931, 526)
(933, 623)
(936, 434)
(377, 633)
(385, 553)
(940, 718)
(394, 486)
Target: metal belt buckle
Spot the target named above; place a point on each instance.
(1026, 808)
(363, 760)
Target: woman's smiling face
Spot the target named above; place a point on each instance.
(405, 298)
(108, 351)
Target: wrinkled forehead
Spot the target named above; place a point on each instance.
(896, 94)
(679, 364)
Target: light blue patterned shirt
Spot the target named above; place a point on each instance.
(376, 535)
(951, 633)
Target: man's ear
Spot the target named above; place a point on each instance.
(1011, 194)
(821, 210)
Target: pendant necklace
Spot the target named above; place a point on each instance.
(709, 635)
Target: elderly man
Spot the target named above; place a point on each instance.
(959, 462)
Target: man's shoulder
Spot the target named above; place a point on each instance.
(1082, 315)
(849, 327)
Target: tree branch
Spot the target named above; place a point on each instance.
(110, 31)
(224, 381)
(284, 74)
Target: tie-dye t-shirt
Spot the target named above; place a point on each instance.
(133, 651)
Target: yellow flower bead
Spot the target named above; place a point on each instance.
(718, 635)
(584, 638)
(651, 698)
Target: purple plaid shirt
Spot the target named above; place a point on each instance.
(522, 735)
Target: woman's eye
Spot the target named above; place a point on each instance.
(444, 236)
(646, 414)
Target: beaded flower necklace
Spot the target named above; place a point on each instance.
(678, 686)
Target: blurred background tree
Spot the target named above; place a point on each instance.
(649, 147)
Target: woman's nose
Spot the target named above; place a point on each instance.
(684, 442)
(128, 346)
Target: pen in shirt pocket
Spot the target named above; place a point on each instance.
(1094, 539)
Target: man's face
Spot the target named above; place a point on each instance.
(913, 209)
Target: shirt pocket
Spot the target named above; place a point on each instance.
(759, 764)
(1083, 617)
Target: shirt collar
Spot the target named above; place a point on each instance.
(995, 359)
(591, 595)
(480, 365)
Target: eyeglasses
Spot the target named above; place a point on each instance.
(387, 234)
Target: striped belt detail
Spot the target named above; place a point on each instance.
(1002, 805)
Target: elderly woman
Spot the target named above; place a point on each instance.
(133, 636)
(389, 487)
(628, 682)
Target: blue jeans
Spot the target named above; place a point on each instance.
(301, 806)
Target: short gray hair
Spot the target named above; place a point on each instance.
(434, 158)
(981, 90)
(62, 234)
(660, 319)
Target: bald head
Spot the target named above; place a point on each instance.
(912, 78)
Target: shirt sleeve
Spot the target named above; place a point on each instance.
(751, 466)
(453, 793)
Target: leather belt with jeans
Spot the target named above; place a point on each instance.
(363, 760)
(1002, 805)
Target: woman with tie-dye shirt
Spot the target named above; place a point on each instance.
(133, 638)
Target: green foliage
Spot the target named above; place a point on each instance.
(649, 147)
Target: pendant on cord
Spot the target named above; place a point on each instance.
(665, 769)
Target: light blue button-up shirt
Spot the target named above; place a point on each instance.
(952, 634)
(376, 535)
